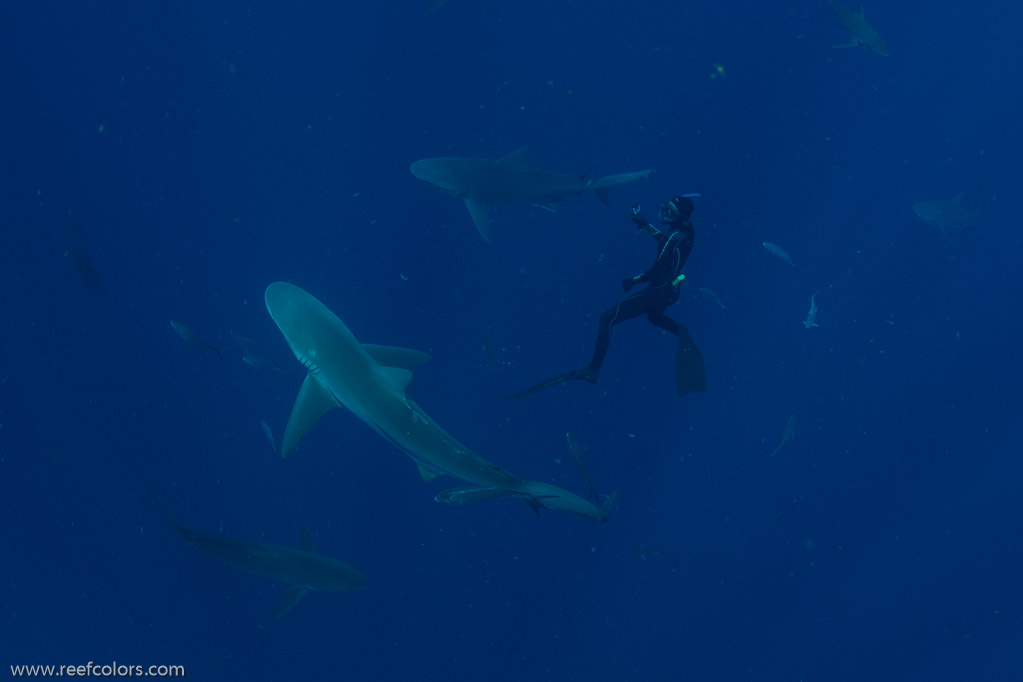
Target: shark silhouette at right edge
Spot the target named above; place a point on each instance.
(370, 381)
(861, 33)
(510, 180)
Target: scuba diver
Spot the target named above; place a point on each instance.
(674, 243)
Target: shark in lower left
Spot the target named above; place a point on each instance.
(371, 381)
(301, 569)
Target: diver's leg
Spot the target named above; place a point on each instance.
(659, 319)
(625, 310)
(630, 307)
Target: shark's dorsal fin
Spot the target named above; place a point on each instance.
(519, 156)
(393, 356)
(860, 10)
(427, 474)
(306, 542)
(479, 211)
(310, 404)
(397, 377)
(292, 595)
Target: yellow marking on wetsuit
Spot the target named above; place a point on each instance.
(678, 280)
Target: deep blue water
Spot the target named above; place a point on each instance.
(169, 163)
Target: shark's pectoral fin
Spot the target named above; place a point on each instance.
(480, 213)
(397, 377)
(604, 196)
(533, 504)
(427, 474)
(306, 542)
(392, 356)
(520, 155)
(292, 595)
(312, 401)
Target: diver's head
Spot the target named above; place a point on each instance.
(677, 210)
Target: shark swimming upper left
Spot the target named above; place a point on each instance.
(371, 381)
(510, 180)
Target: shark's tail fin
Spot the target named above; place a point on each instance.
(604, 185)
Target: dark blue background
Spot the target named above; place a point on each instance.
(195, 153)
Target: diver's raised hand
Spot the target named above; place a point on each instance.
(638, 217)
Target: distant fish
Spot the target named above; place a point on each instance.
(78, 256)
(190, 336)
(248, 348)
(576, 451)
(645, 552)
(489, 347)
(790, 430)
(252, 358)
(470, 495)
(781, 253)
(713, 294)
(811, 315)
(612, 501)
(948, 215)
(269, 434)
(262, 362)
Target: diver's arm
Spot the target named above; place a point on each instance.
(642, 224)
(630, 282)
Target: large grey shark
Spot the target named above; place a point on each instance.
(510, 180)
(861, 33)
(299, 569)
(371, 381)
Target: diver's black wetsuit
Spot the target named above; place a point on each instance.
(663, 278)
(673, 247)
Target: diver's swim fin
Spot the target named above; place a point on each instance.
(690, 376)
(584, 374)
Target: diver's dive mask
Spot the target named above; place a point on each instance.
(669, 212)
(678, 209)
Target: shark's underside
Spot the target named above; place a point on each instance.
(370, 381)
